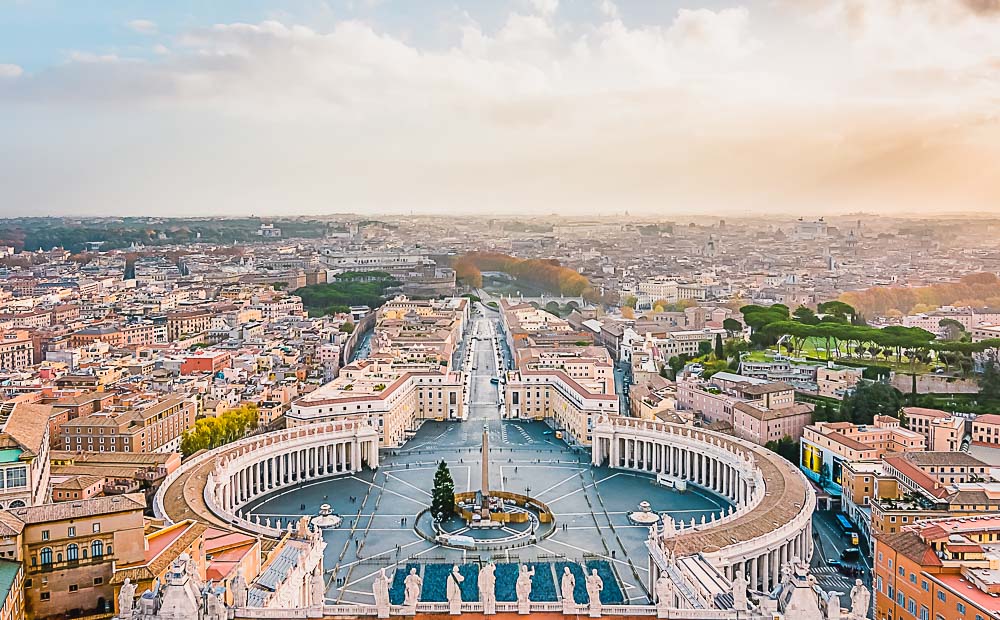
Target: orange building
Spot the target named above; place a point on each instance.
(943, 569)
(206, 362)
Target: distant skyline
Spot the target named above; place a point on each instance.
(662, 107)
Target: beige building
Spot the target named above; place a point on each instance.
(24, 455)
(156, 428)
(16, 350)
(762, 425)
(390, 397)
(70, 549)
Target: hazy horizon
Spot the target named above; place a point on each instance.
(669, 109)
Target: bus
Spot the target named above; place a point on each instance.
(847, 528)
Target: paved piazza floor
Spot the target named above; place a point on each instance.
(590, 504)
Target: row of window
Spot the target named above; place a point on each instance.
(97, 549)
(71, 531)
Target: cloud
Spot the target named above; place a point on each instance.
(608, 9)
(10, 71)
(142, 26)
(546, 8)
(708, 110)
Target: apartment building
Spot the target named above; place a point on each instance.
(187, 323)
(941, 569)
(826, 446)
(24, 455)
(716, 397)
(552, 393)
(938, 427)
(16, 350)
(154, 428)
(926, 485)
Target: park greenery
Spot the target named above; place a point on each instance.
(546, 274)
(443, 493)
(974, 290)
(212, 432)
(352, 288)
(844, 336)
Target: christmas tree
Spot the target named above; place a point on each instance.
(443, 494)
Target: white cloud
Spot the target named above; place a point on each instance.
(142, 26)
(10, 71)
(709, 109)
(546, 8)
(609, 9)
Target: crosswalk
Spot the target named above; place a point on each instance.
(829, 578)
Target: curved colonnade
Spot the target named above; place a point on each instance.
(770, 523)
(232, 476)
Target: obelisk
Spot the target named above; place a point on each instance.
(486, 461)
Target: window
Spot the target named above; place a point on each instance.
(941, 596)
(44, 596)
(924, 613)
(911, 606)
(902, 571)
(97, 548)
(72, 552)
(46, 556)
(73, 587)
(900, 599)
(45, 534)
(97, 528)
(913, 578)
(98, 581)
(961, 608)
(17, 477)
(71, 531)
(924, 586)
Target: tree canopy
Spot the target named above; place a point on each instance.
(212, 432)
(443, 493)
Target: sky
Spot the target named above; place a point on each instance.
(485, 107)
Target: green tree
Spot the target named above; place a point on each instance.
(805, 316)
(989, 381)
(443, 493)
(347, 328)
(704, 347)
(953, 328)
(732, 327)
(786, 447)
(869, 400)
(720, 354)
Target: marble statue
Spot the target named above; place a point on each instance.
(318, 585)
(487, 588)
(523, 588)
(239, 589)
(380, 588)
(567, 586)
(454, 590)
(833, 605)
(411, 589)
(664, 590)
(126, 597)
(861, 600)
(786, 572)
(594, 587)
(740, 591)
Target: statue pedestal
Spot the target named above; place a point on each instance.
(455, 608)
(523, 608)
(382, 611)
(489, 608)
(407, 610)
(594, 611)
(662, 612)
(569, 607)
